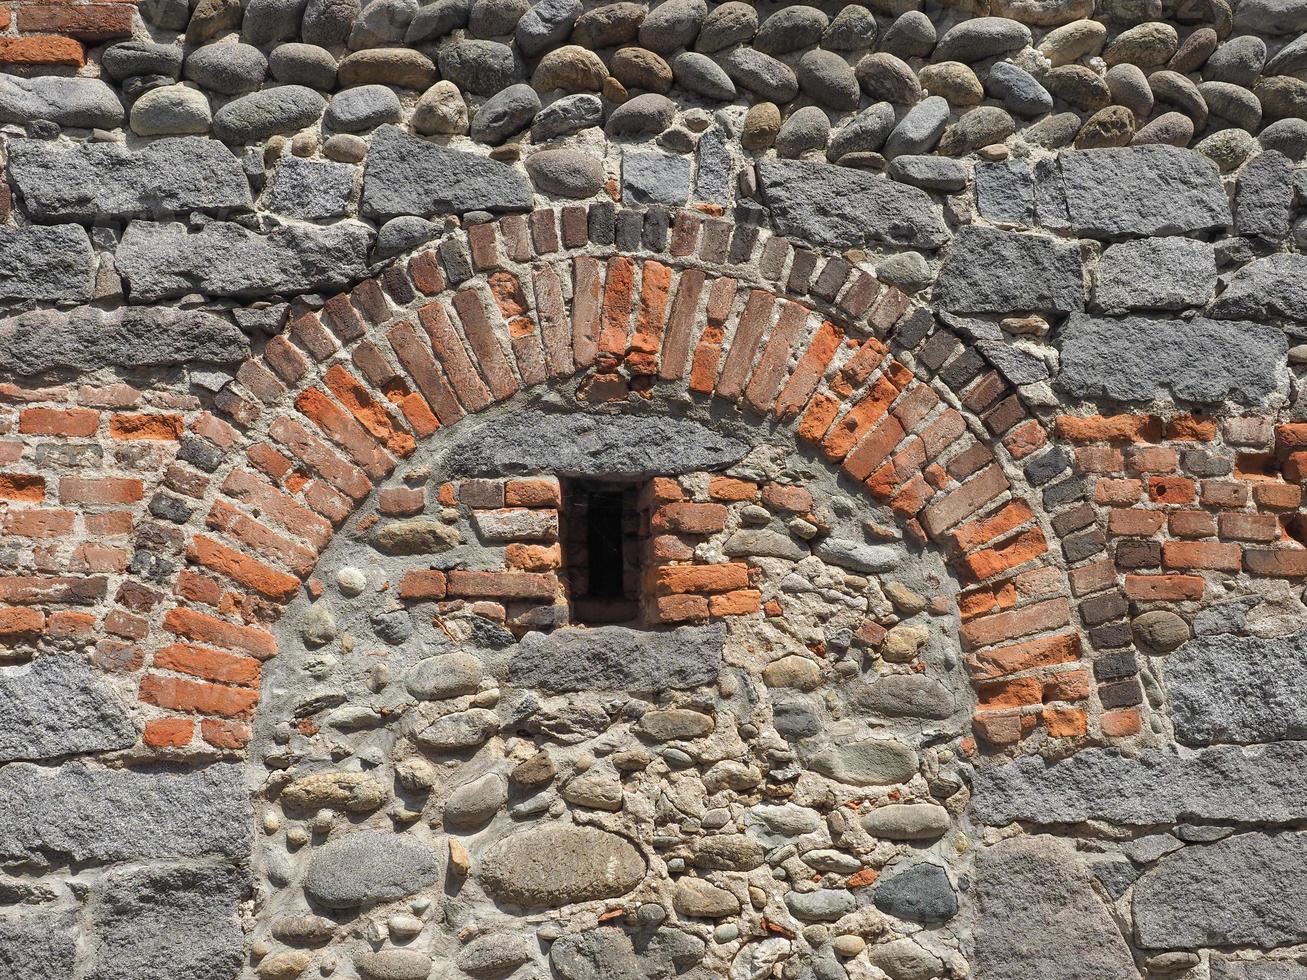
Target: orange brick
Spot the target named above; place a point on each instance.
(37, 522)
(86, 21)
(1190, 428)
(739, 603)
(1099, 459)
(1249, 527)
(197, 697)
(1117, 491)
(785, 497)
(1111, 428)
(1066, 722)
(726, 488)
(1272, 496)
(15, 622)
(1213, 555)
(1152, 459)
(423, 583)
(401, 501)
(502, 585)
(100, 490)
(160, 427)
(987, 563)
(1291, 437)
(212, 665)
(1171, 490)
(1025, 439)
(224, 734)
(168, 733)
(681, 608)
(69, 625)
(1163, 588)
(1000, 627)
(241, 568)
(1071, 685)
(981, 531)
(22, 486)
(1192, 524)
(532, 493)
(72, 422)
(42, 50)
(203, 628)
(1015, 693)
(1044, 652)
(689, 518)
(533, 557)
(701, 578)
(1122, 722)
(370, 413)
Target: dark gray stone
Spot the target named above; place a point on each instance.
(1017, 89)
(83, 102)
(363, 109)
(367, 866)
(254, 117)
(78, 814)
(328, 22)
(130, 58)
(496, 18)
(1271, 287)
(701, 75)
(91, 181)
(546, 25)
(595, 954)
(407, 175)
(644, 115)
(728, 24)
(480, 67)
(434, 20)
(613, 658)
(920, 129)
(1239, 689)
(1159, 786)
(1155, 273)
(791, 29)
(672, 24)
(803, 131)
(229, 69)
(1018, 366)
(844, 208)
(980, 38)
(39, 945)
(269, 21)
(167, 922)
(713, 179)
(53, 262)
(992, 271)
(161, 260)
(912, 35)
(1238, 61)
(1142, 190)
(1247, 890)
(1288, 136)
(1005, 192)
(1265, 196)
(615, 446)
(87, 338)
(931, 172)
(570, 114)
(920, 893)
(311, 189)
(1038, 916)
(303, 64)
(1271, 16)
(505, 113)
(58, 706)
(1135, 359)
(761, 74)
(865, 133)
(828, 79)
(403, 233)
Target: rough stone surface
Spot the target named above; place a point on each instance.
(612, 658)
(46, 263)
(1275, 286)
(992, 271)
(919, 893)
(58, 707)
(37, 945)
(655, 178)
(1135, 358)
(559, 864)
(1155, 273)
(66, 101)
(1247, 890)
(255, 117)
(365, 867)
(406, 175)
(312, 189)
(81, 814)
(1035, 903)
(843, 208)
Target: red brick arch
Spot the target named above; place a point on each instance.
(328, 409)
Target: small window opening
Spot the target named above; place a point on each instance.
(601, 550)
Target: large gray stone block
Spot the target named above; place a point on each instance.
(1138, 359)
(161, 260)
(1141, 190)
(1038, 916)
(613, 658)
(57, 706)
(407, 175)
(1158, 786)
(573, 444)
(46, 263)
(1238, 689)
(87, 338)
(39, 944)
(992, 271)
(1156, 273)
(1246, 890)
(1269, 288)
(845, 208)
(75, 813)
(92, 181)
(1223, 969)
(82, 102)
(163, 923)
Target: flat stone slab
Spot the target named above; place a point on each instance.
(92, 181)
(407, 175)
(51, 262)
(87, 338)
(618, 447)
(57, 706)
(1271, 287)
(1238, 689)
(1246, 890)
(1139, 359)
(1140, 190)
(1038, 916)
(613, 658)
(1156, 273)
(80, 814)
(1160, 786)
(162, 260)
(843, 208)
(992, 271)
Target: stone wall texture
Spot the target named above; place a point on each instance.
(944, 364)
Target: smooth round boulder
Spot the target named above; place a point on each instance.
(791, 29)
(1232, 103)
(434, 21)
(558, 864)
(1175, 90)
(1238, 61)
(645, 115)
(807, 129)
(254, 117)
(401, 234)
(827, 78)
(229, 69)
(1148, 45)
(131, 58)
(919, 130)
(1071, 42)
(980, 38)
(566, 173)
(1159, 631)
(365, 867)
(731, 23)
(345, 148)
(269, 21)
(885, 76)
(1282, 97)
(400, 67)
(1194, 51)
(505, 113)
(327, 22)
(609, 25)
(363, 109)
(495, 18)
(1169, 129)
(865, 133)
(982, 126)
(441, 110)
(1042, 13)
(760, 73)
(852, 29)
(1018, 90)
(1289, 136)
(907, 821)
(570, 68)
(570, 114)
(761, 125)
(172, 110)
(381, 24)
(303, 64)
(701, 75)
(546, 25)
(912, 35)
(953, 81)
(1127, 85)
(1079, 87)
(639, 68)
(672, 24)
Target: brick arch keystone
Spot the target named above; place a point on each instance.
(624, 302)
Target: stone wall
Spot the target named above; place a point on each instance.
(951, 359)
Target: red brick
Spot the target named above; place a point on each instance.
(502, 585)
(29, 590)
(276, 506)
(197, 697)
(1003, 626)
(22, 486)
(448, 347)
(1249, 527)
(168, 733)
(615, 314)
(1099, 459)
(533, 557)
(996, 560)
(1190, 429)
(1272, 496)
(680, 608)
(37, 522)
(688, 518)
(959, 504)
(1113, 428)
(401, 501)
(422, 583)
(1212, 555)
(1131, 521)
(700, 578)
(1171, 490)
(808, 374)
(86, 21)
(786, 497)
(369, 412)
(532, 493)
(1066, 722)
(774, 362)
(1016, 693)
(859, 420)
(587, 288)
(1047, 651)
(224, 734)
(1025, 439)
(20, 622)
(163, 428)
(241, 568)
(212, 665)
(342, 429)
(1192, 524)
(68, 624)
(1152, 459)
(206, 629)
(416, 358)
(320, 458)
(72, 422)
(749, 330)
(1163, 588)
(977, 532)
(42, 50)
(1225, 493)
